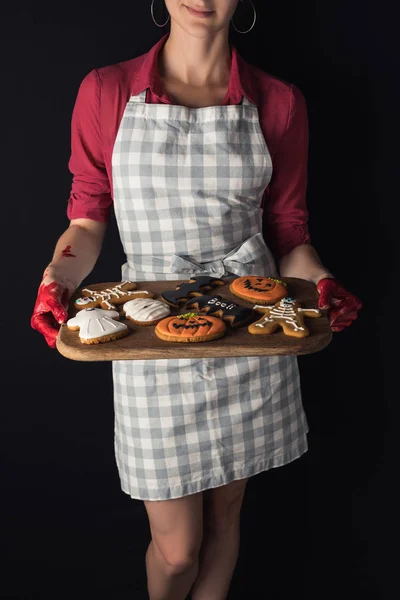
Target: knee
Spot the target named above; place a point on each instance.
(178, 560)
(179, 564)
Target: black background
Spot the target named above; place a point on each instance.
(311, 529)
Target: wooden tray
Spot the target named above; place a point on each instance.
(142, 342)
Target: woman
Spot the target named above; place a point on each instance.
(199, 152)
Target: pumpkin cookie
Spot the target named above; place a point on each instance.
(190, 327)
(260, 290)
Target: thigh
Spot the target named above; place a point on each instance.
(177, 527)
(222, 505)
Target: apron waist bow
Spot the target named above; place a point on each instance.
(236, 262)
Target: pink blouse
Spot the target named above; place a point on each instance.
(100, 104)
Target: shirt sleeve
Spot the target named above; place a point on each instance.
(90, 195)
(285, 210)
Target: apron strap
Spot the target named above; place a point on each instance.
(139, 98)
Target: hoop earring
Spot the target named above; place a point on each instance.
(152, 16)
(254, 20)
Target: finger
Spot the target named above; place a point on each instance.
(340, 325)
(336, 313)
(325, 299)
(65, 298)
(50, 341)
(342, 314)
(355, 303)
(344, 319)
(58, 310)
(44, 324)
(350, 299)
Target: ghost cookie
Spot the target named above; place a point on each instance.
(229, 312)
(197, 286)
(97, 326)
(143, 311)
(110, 297)
(190, 327)
(286, 314)
(259, 290)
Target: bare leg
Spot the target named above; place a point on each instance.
(168, 582)
(218, 559)
(220, 549)
(172, 557)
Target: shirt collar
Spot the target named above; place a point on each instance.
(148, 76)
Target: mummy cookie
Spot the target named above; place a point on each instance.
(143, 311)
(97, 325)
(260, 290)
(190, 327)
(110, 297)
(229, 312)
(197, 286)
(286, 314)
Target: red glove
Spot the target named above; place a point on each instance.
(342, 306)
(50, 308)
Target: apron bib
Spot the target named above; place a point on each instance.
(188, 186)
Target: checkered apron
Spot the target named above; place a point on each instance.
(188, 186)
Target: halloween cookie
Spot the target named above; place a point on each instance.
(229, 312)
(286, 314)
(260, 290)
(143, 311)
(190, 327)
(197, 286)
(110, 297)
(97, 325)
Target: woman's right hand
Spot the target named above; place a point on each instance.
(51, 305)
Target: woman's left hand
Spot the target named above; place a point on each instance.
(342, 306)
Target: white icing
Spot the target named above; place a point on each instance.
(109, 294)
(224, 305)
(284, 310)
(263, 322)
(96, 322)
(146, 309)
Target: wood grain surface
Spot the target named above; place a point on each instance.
(142, 342)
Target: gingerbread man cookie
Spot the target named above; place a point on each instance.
(286, 314)
(97, 325)
(196, 287)
(230, 312)
(110, 297)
